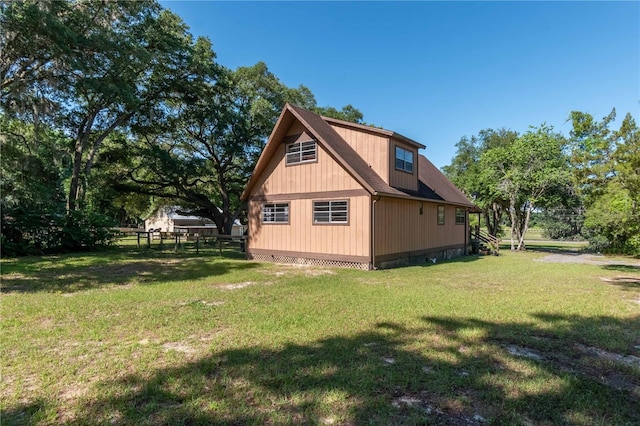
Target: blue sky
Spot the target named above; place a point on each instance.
(436, 71)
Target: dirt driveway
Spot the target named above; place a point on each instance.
(589, 259)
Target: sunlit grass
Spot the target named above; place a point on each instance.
(163, 337)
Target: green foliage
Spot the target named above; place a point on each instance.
(348, 113)
(562, 223)
(534, 169)
(94, 67)
(606, 165)
(611, 223)
(49, 230)
(120, 79)
(587, 186)
(476, 176)
(34, 220)
(203, 154)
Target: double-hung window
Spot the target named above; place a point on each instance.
(275, 213)
(302, 152)
(331, 211)
(440, 215)
(461, 216)
(404, 159)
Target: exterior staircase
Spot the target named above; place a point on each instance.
(483, 242)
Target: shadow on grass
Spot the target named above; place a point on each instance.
(625, 281)
(623, 268)
(445, 371)
(123, 266)
(460, 259)
(24, 414)
(550, 247)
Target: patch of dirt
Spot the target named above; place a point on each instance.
(236, 286)
(202, 303)
(438, 410)
(318, 272)
(388, 361)
(73, 393)
(309, 270)
(591, 362)
(412, 402)
(523, 352)
(629, 360)
(621, 280)
(178, 347)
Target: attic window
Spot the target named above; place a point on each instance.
(404, 160)
(301, 152)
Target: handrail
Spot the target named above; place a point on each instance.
(485, 237)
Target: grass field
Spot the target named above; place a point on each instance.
(160, 337)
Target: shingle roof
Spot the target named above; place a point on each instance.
(439, 184)
(433, 184)
(374, 130)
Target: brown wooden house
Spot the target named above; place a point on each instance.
(330, 192)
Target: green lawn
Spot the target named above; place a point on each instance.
(160, 337)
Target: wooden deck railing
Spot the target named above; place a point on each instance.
(482, 237)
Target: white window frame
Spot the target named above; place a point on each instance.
(301, 152)
(441, 214)
(275, 213)
(462, 216)
(404, 159)
(330, 212)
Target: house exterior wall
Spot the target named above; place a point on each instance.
(301, 238)
(160, 221)
(325, 174)
(401, 178)
(300, 185)
(166, 223)
(373, 149)
(401, 232)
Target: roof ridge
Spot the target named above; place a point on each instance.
(372, 129)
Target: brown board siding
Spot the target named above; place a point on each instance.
(372, 148)
(325, 174)
(312, 195)
(302, 236)
(400, 178)
(400, 228)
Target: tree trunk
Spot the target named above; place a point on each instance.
(525, 228)
(98, 142)
(514, 219)
(81, 143)
(493, 217)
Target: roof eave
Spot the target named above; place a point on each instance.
(264, 158)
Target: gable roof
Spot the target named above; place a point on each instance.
(337, 147)
(441, 189)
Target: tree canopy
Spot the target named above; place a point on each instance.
(586, 184)
(131, 108)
